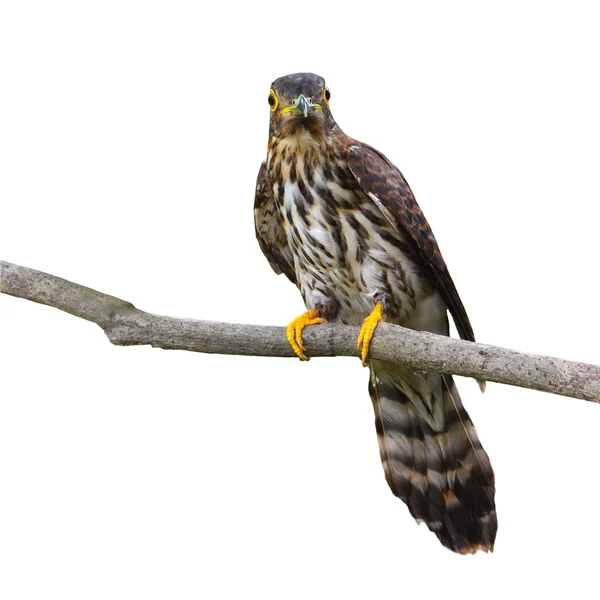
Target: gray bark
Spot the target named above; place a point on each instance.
(126, 325)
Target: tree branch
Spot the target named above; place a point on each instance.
(125, 325)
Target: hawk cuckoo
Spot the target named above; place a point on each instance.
(340, 221)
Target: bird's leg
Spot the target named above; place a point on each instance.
(366, 331)
(294, 330)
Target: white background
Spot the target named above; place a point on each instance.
(131, 136)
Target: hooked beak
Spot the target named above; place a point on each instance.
(301, 106)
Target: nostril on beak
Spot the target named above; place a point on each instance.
(303, 105)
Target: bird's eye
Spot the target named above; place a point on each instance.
(326, 95)
(273, 100)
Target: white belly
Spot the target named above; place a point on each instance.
(345, 258)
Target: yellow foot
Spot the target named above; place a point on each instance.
(294, 330)
(366, 331)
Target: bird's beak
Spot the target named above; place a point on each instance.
(301, 106)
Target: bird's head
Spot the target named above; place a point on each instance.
(299, 105)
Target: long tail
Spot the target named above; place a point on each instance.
(432, 457)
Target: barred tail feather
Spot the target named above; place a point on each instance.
(432, 457)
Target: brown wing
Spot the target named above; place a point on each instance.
(269, 230)
(383, 183)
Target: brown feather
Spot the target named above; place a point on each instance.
(438, 468)
(269, 232)
(383, 182)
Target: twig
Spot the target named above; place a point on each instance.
(126, 325)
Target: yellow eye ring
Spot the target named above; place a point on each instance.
(273, 100)
(326, 95)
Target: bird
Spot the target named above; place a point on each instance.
(339, 220)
